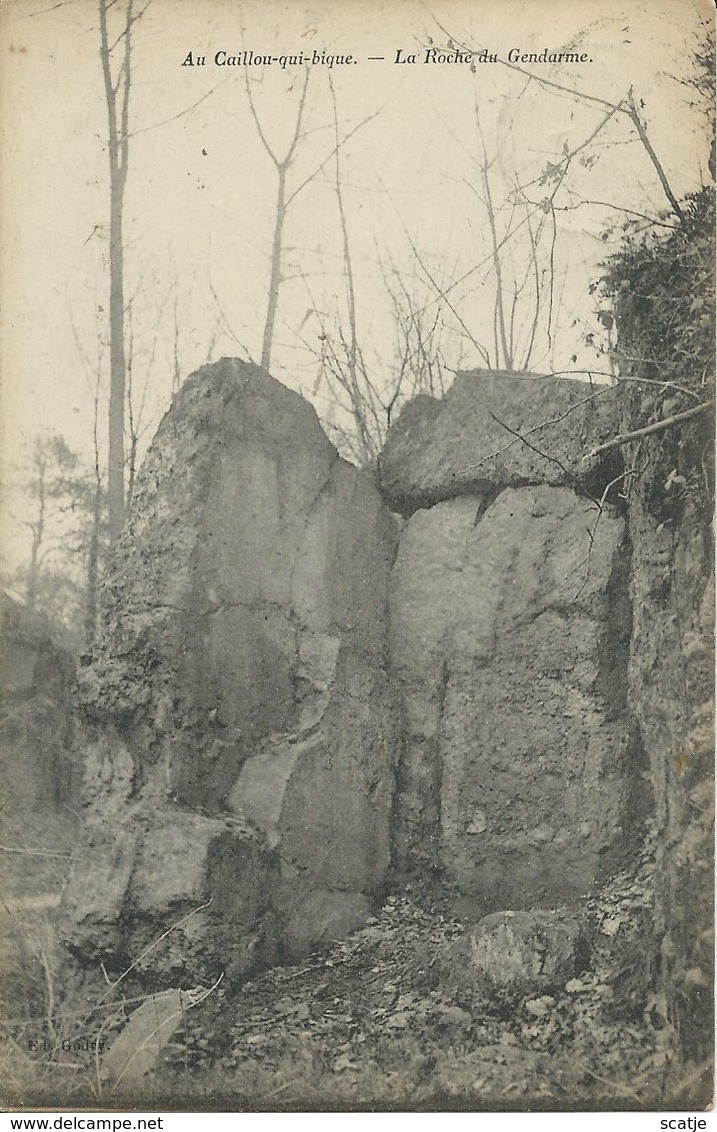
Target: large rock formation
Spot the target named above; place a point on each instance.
(249, 689)
(494, 430)
(246, 733)
(511, 623)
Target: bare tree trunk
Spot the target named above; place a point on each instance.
(358, 401)
(118, 152)
(275, 272)
(95, 500)
(117, 371)
(284, 200)
(282, 166)
(38, 531)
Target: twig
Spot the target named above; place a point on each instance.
(536, 428)
(626, 106)
(592, 531)
(340, 143)
(190, 1002)
(634, 116)
(622, 378)
(545, 456)
(625, 1090)
(181, 114)
(151, 948)
(650, 430)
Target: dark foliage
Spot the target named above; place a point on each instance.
(662, 288)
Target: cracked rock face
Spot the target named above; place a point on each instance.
(510, 631)
(243, 664)
(470, 442)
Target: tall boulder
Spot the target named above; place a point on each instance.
(510, 630)
(241, 677)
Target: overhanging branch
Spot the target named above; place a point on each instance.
(650, 430)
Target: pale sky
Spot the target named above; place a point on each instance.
(200, 190)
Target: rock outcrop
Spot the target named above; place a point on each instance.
(510, 629)
(494, 430)
(239, 692)
(35, 726)
(671, 692)
(286, 699)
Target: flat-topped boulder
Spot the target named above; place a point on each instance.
(494, 430)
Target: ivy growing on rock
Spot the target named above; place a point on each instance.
(661, 285)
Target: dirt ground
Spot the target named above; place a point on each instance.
(384, 1020)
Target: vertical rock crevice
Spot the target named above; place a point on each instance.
(285, 686)
(241, 675)
(510, 630)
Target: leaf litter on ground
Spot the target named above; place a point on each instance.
(374, 1022)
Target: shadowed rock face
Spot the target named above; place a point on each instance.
(35, 722)
(243, 667)
(518, 748)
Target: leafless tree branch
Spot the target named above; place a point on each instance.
(650, 430)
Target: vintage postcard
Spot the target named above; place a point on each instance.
(357, 615)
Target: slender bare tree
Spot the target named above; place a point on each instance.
(285, 196)
(117, 21)
(282, 166)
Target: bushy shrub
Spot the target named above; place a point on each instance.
(662, 289)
